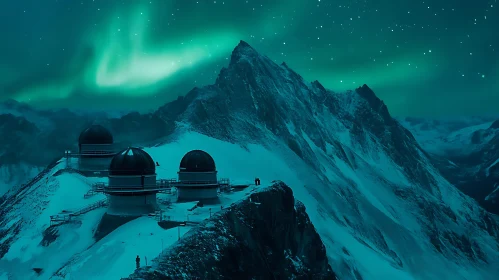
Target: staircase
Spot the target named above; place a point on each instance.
(90, 193)
(68, 217)
(69, 170)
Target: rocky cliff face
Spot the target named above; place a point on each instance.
(266, 236)
(254, 95)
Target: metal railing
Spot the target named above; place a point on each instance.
(162, 185)
(102, 187)
(68, 217)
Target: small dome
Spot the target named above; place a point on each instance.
(197, 161)
(95, 134)
(132, 161)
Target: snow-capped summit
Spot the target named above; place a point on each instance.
(364, 171)
(495, 125)
(381, 208)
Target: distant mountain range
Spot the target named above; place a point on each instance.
(466, 151)
(32, 138)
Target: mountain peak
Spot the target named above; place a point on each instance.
(243, 49)
(368, 94)
(377, 104)
(243, 44)
(318, 85)
(495, 125)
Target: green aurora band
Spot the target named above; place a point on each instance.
(157, 50)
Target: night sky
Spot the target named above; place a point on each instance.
(423, 58)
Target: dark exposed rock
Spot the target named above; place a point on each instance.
(49, 235)
(495, 125)
(319, 86)
(462, 243)
(295, 147)
(376, 103)
(266, 236)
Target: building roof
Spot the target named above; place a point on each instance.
(197, 161)
(132, 162)
(95, 134)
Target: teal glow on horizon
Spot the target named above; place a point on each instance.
(422, 60)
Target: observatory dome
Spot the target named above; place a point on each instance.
(132, 162)
(197, 161)
(94, 135)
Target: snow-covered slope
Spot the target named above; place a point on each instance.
(113, 256)
(27, 242)
(381, 208)
(373, 222)
(366, 183)
(70, 250)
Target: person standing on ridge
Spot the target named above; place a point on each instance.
(257, 181)
(137, 261)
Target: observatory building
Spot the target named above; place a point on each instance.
(132, 184)
(197, 177)
(95, 150)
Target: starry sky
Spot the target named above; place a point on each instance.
(423, 58)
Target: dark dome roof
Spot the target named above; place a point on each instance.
(132, 161)
(95, 134)
(197, 161)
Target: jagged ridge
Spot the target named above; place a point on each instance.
(266, 236)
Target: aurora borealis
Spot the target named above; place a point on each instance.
(423, 58)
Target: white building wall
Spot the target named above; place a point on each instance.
(197, 176)
(131, 182)
(94, 163)
(132, 205)
(100, 148)
(187, 194)
(98, 162)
